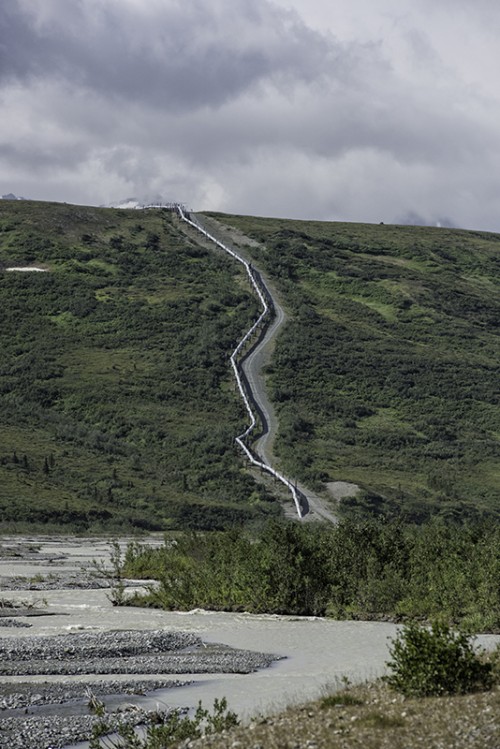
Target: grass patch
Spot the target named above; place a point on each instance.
(381, 721)
(344, 699)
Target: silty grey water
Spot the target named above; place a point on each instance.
(318, 653)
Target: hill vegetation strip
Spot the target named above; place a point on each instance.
(118, 410)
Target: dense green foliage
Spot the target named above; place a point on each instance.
(352, 570)
(431, 662)
(117, 406)
(387, 375)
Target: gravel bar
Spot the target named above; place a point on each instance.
(22, 696)
(54, 731)
(4, 622)
(59, 582)
(234, 662)
(49, 715)
(81, 645)
(123, 652)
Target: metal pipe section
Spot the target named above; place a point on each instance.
(265, 313)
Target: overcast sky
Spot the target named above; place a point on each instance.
(356, 110)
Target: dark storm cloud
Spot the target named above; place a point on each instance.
(175, 55)
(239, 105)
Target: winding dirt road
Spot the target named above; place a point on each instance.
(253, 367)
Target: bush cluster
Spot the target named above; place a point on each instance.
(436, 661)
(352, 570)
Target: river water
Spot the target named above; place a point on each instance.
(317, 653)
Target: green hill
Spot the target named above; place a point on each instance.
(117, 405)
(388, 374)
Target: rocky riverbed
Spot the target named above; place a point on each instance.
(51, 683)
(52, 714)
(123, 652)
(55, 732)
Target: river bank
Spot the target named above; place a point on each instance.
(51, 675)
(314, 654)
(373, 717)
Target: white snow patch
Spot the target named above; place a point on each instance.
(32, 269)
(129, 204)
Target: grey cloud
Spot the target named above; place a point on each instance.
(39, 160)
(328, 125)
(413, 218)
(172, 55)
(238, 105)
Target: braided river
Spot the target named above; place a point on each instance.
(315, 654)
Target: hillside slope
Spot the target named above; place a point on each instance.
(117, 405)
(387, 376)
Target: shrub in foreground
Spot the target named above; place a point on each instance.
(436, 661)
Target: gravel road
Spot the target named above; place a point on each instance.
(254, 363)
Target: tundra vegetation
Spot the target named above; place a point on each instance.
(387, 373)
(117, 405)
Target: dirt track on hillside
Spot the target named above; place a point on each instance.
(255, 362)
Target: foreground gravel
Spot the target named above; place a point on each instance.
(23, 696)
(5, 622)
(52, 714)
(123, 652)
(55, 732)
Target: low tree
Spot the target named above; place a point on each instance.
(435, 661)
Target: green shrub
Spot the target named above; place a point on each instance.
(165, 731)
(436, 661)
